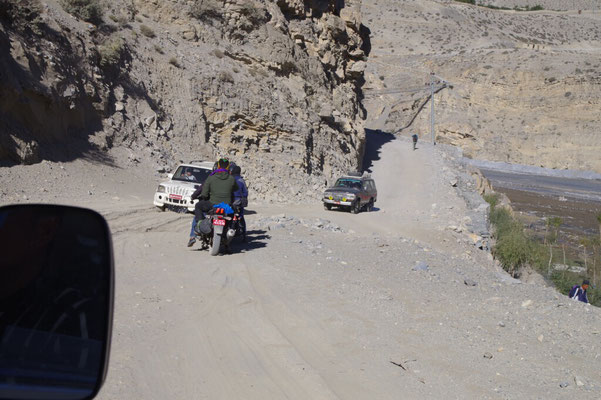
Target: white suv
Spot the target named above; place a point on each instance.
(176, 192)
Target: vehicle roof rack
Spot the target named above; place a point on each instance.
(200, 163)
(354, 173)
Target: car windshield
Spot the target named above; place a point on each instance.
(191, 174)
(349, 183)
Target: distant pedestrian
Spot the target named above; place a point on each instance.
(414, 137)
(579, 292)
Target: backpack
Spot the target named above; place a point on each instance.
(223, 208)
(203, 227)
(574, 292)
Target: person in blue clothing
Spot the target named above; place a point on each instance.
(240, 197)
(579, 292)
(219, 187)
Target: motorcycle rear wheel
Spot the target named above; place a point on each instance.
(215, 244)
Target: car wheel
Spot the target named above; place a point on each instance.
(327, 206)
(162, 208)
(370, 205)
(356, 207)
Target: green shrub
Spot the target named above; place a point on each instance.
(147, 31)
(111, 53)
(121, 20)
(514, 248)
(22, 15)
(206, 10)
(492, 199)
(88, 10)
(503, 221)
(497, 7)
(512, 251)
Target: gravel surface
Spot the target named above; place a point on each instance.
(394, 303)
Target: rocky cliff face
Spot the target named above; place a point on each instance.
(274, 85)
(525, 86)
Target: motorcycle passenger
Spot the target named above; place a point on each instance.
(240, 197)
(217, 188)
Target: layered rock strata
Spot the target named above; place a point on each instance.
(524, 86)
(274, 85)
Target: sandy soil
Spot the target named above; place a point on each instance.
(324, 304)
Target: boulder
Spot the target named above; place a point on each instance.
(352, 17)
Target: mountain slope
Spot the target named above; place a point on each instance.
(526, 86)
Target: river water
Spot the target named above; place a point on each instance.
(575, 199)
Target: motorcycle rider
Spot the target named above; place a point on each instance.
(218, 188)
(240, 197)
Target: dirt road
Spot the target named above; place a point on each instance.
(327, 305)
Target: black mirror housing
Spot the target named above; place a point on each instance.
(56, 302)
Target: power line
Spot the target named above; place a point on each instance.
(435, 85)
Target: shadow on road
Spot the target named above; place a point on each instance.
(374, 140)
(255, 239)
(345, 210)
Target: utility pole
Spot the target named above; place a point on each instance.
(432, 107)
(435, 85)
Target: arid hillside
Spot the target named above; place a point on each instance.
(524, 87)
(275, 86)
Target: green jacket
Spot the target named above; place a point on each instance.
(219, 188)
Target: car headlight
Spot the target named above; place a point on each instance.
(350, 196)
(161, 189)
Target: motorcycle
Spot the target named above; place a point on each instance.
(218, 229)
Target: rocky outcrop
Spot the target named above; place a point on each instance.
(274, 85)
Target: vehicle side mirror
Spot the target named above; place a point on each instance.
(56, 302)
(170, 176)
